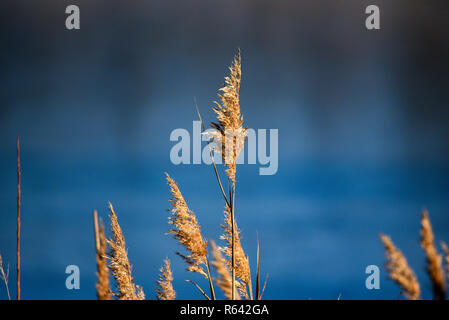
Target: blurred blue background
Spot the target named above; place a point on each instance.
(363, 136)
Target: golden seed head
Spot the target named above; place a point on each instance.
(434, 259)
(186, 230)
(229, 137)
(399, 270)
(165, 289)
(119, 263)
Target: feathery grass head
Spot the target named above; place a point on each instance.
(186, 230)
(102, 285)
(399, 270)
(165, 289)
(242, 269)
(119, 263)
(224, 281)
(230, 135)
(434, 259)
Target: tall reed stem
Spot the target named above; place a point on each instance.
(211, 285)
(18, 218)
(233, 239)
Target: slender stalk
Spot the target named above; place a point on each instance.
(97, 232)
(18, 217)
(250, 285)
(258, 272)
(264, 286)
(199, 288)
(213, 160)
(211, 285)
(233, 240)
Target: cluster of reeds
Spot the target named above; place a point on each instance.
(230, 261)
(400, 272)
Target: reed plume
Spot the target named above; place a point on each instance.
(186, 230)
(241, 261)
(434, 259)
(102, 285)
(4, 276)
(399, 270)
(229, 139)
(119, 263)
(165, 289)
(230, 136)
(224, 281)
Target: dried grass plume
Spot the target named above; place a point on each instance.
(119, 263)
(399, 270)
(434, 259)
(187, 231)
(165, 289)
(230, 135)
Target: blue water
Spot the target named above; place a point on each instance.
(362, 119)
(317, 223)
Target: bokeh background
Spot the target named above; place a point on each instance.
(363, 135)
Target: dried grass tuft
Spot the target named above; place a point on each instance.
(399, 270)
(165, 289)
(119, 263)
(230, 135)
(187, 231)
(434, 259)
